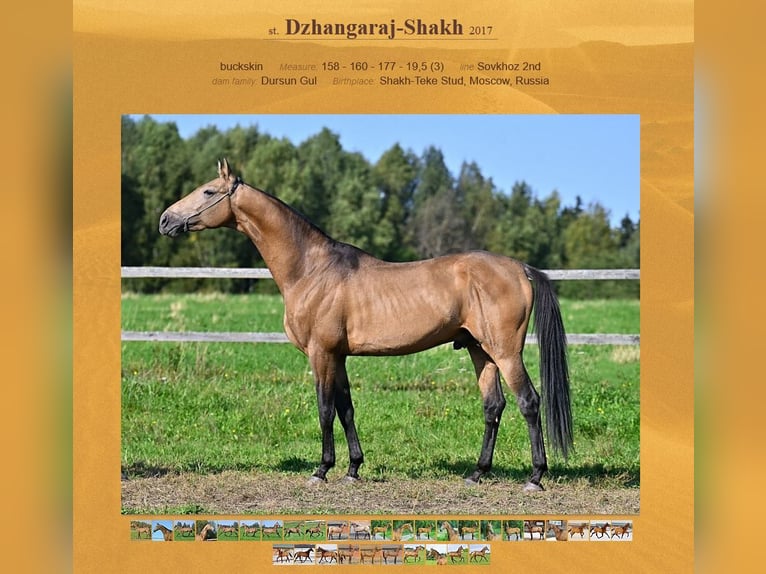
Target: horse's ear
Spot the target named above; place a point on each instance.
(223, 169)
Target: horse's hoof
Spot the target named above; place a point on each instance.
(470, 481)
(532, 487)
(315, 481)
(351, 479)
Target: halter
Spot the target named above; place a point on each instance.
(217, 200)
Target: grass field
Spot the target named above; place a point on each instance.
(206, 408)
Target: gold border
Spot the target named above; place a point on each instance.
(141, 60)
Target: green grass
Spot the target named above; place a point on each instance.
(210, 407)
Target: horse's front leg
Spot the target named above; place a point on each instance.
(323, 366)
(345, 409)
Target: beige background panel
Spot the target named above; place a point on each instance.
(145, 61)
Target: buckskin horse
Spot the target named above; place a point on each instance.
(341, 301)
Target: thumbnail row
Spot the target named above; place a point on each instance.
(380, 530)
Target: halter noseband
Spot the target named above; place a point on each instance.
(221, 197)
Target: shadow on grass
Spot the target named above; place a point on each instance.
(593, 474)
(142, 470)
(297, 465)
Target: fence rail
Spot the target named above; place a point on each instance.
(259, 273)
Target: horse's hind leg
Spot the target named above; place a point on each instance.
(494, 402)
(528, 400)
(345, 409)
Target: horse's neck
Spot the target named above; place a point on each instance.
(284, 239)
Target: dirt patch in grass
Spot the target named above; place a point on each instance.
(233, 492)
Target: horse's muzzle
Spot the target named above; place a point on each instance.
(171, 224)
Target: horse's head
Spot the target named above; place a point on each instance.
(206, 207)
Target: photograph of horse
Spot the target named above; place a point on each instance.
(272, 529)
(183, 530)
(436, 554)
(413, 553)
(249, 530)
(513, 529)
(491, 530)
(425, 530)
(621, 530)
(478, 554)
(599, 530)
(206, 531)
(341, 301)
(327, 554)
(228, 530)
(139, 530)
(163, 530)
(448, 531)
(381, 529)
(578, 530)
(534, 527)
(557, 531)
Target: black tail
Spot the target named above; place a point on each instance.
(554, 371)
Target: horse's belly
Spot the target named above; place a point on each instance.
(401, 333)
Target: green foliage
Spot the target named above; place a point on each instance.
(402, 207)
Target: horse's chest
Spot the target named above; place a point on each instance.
(315, 324)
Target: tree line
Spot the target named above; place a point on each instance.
(404, 206)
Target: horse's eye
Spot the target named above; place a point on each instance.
(209, 192)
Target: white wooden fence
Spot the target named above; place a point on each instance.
(257, 273)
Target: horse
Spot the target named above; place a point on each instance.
(142, 528)
(250, 529)
(559, 532)
(341, 301)
(468, 530)
(391, 553)
(599, 529)
(283, 554)
(207, 533)
(361, 530)
(379, 530)
(412, 553)
(512, 531)
(620, 530)
(293, 530)
(302, 555)
(313, 531)
(336, 530)
(456, 555)
(324, 555)
(451, 533)
(396, 535)
(489, 533)
(577, 529)
(345, 554)
(272, 530)
(424, 530)
(185, 529)
(532, 527)
(228, 529)
(434, 554)
(476, 554)
(167, 533)
(371, 553)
